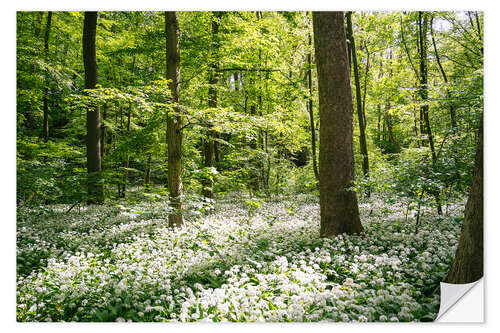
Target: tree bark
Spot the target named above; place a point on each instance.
(365, 86)
(103, 131)
(359, 104)
(38, 24)
(467, 266)
(95, 187)
(338, 202)
(129, 117)
(147, 174)
(453, 117)
(311, 111)
(127, 158)
(388, 122)
(174, 121)
(424, 94)
(379, 116)
(46, 91)
(209, 144)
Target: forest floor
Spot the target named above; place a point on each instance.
(247, 260)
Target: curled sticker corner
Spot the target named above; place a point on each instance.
(452, 294)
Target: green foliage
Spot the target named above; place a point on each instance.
(260, 123)
(48, 172)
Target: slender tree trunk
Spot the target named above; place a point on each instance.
(379, 116)
(174, 121)
(209, 145)
(95, 187)
(103, 132)
(384, 131)
(46, 90)
(417, 73)
(478, 29)
(255, 180)
(379, 112)
(268, 169)
(147, 174)
(468, 264)
(38, 24)
(127, 158)
(453, 117)
(424, 93)
(388, 121)
(388, 117)
(209, 154)
(311, 110)
(359, 105)
(338, 202)
(236, 82)
(365, 86)
(415, 125)
(122, 133)
(260, 132)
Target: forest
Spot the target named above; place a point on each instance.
(246, 166)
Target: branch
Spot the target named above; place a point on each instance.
(234, 69)
(406, 48)
(441, 146)
(437, 54)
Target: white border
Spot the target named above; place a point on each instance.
(8, 166)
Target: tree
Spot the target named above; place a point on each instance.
(453, 117)
(95, 188)
(174, 121)
(424, 90)
(338, 202)
(359, 104)
(46, 91)
(209, 144)
(467, 266)
(310, 109)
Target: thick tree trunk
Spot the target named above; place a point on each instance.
(95, 187)
(174, 121)
(468, 264)
(359, 104)
(338, 202)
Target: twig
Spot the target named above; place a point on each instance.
(70, 208)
